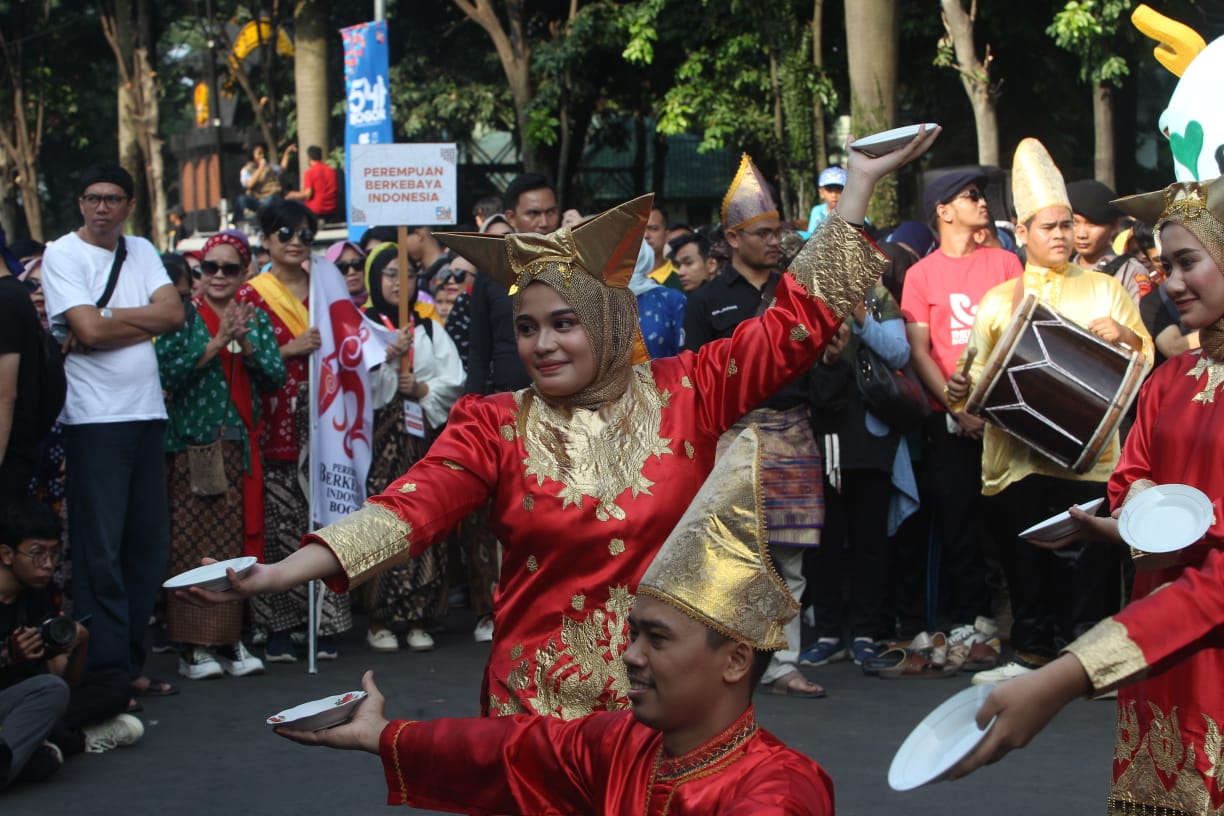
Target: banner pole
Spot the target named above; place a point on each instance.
(312, 589)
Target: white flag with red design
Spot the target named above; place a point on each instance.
(342, 413)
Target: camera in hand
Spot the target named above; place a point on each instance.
(58, 633)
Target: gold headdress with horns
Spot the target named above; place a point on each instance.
(1037, 182)
(715, 565)
(748, 198)
(1196, 205)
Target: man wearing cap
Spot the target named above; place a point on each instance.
(709, 611)
(1096, 224)
(939, 299)
(108, 296)
(830, 184)
(743, 289)
(1054, 597)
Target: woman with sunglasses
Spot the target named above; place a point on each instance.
(404, 599)
(282, 292)
(351, 261)
(216, 368)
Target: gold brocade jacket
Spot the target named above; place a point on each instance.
(581, 503)
(1079, 295)
(1166, 649)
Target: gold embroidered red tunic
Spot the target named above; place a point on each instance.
(582, 502)
(605, 763)
(1169, 754)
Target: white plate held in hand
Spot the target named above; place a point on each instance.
(211, 576)
(1057, 526)
(879, 144)
(1165, 518)
(942, 739)
(319, 714)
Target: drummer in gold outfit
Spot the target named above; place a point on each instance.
(1055, 596)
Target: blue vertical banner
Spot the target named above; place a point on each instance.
(367, 91)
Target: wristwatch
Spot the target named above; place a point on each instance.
(107, 313)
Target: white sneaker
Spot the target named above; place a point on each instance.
(118, 731)
(383, 640)
(238, 662)
(1008, 671)
(198, 663)
(418, 640)
(483, 633)
(982, 631)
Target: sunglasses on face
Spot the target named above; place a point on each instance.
(457, 277)
(355, 265)
(285, 235)
(229, 270)
(32, 285)
(973, 195)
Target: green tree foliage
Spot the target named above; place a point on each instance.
(1093, 30)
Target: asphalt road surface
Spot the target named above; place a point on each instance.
(208, 751)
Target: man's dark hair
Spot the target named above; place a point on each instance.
(285, 213)
(760, 658)
(680, 226)
(27, 248)
(1141, 235)
(681, 241)
(383, 235)
(107, 173)
(315, 152)
(23, 518)
(525, 183)
(176, 267)
(661, 212)
(489, 205)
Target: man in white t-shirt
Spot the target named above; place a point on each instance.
(114, 418)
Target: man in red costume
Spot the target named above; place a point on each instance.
(710, 611)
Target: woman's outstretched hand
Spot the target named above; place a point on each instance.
(358, 734)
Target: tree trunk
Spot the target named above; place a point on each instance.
(818, 112)
(514, 53)
(872, 34)
(975, 77)
(21, 145)
(784, 188)
(1102, 123)
(310, 75)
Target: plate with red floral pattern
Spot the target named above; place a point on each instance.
(319, 714)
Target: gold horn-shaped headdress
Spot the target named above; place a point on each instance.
(1196, 205)
(748, 198)
(1177, 44)
(606, 247)
(715, 565)
(1037, 182)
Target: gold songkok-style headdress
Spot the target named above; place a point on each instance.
(1037, 182)
(748, 198)
(715, 565)
(1196, 205)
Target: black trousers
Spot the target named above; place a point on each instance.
(1055, 595)
(851, 569)
(99, 696)
(952, 477)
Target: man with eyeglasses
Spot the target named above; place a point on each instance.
(107, 297)
(939, 300)
(741, 290)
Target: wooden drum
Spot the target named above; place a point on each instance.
(1057, 387)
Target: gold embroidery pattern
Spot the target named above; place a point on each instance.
(1108, 655)
(686, 382)
(582, 671)
(508, 433)
(732, 368)
(838, 265)
(452, 465)
(665, 398)
(364, 540)
(800, 333)
(516, 651)
(689, 451)
(616, 546)
(1215, 378)
(1127, 733)
(578, 601)
(1213, 749)
(599, 454)
(407, 487)
(532, 563)
(528, 502)
(704, 761)
(1160, 758)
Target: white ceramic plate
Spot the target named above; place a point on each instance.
(943, 738)
(1165, 518)
(1059, 525)
(210, 576)
(878, 144)
(319, 714)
